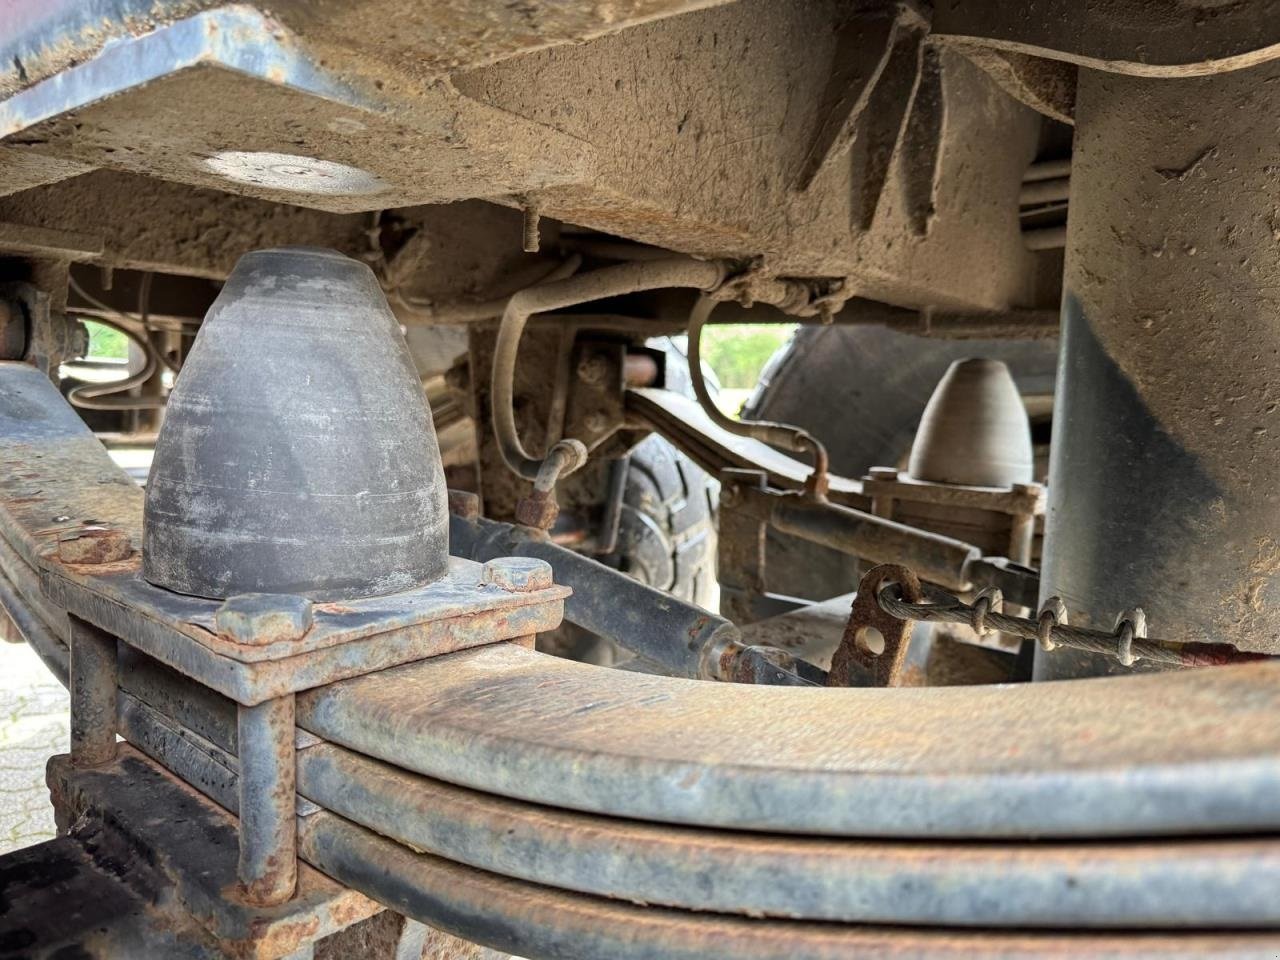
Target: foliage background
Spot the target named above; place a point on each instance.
(737, 353)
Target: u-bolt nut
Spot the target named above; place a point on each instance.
(988, 600)
(1132, 623)
(1053, 613)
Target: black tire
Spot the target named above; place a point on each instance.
(666, 539)
(861, 391)
(666, 533)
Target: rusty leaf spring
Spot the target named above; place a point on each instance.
(1127, 643)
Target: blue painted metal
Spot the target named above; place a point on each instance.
(234, 37)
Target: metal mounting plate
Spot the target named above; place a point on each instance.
(62, 482)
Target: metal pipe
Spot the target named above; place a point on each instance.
(599, 284)
(267, 799)
(1045, 238)
(936, 558)
(650, 623)
(783, 435)
(93, 695)
(1047, 170)
(473, 311)
(1044, 191)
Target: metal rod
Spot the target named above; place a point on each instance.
(1047, 170)
(267, 800)
(609, 282)
(934, 557)
(944, 608)
(650, 623)
(1044, 191)
(1045, 238)
(784, 435)
(93, 695)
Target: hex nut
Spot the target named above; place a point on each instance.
(95, 545)
(593, 370)
(464, 504)
(517, 574)
(538, 512)
(257, 619)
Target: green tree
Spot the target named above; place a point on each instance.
(737, 352)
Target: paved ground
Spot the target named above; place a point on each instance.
(34, 725)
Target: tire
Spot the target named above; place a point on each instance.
(666, 532)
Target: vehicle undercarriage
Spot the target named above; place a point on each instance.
(449, 615)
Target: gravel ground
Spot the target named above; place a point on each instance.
(34, 725)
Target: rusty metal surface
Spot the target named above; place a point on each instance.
(938, 558)
(136, 611)
(93, 695)
(1184, 884)
(542, 923)
(651, 623)
(193, 844)
(460, 595)
(1054, 759)
(58, 478)
(857, 661)
(683, 422)
(62, 483)
(268, 868)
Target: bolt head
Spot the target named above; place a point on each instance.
(538, 512)
(464, 504)
(257, 619)
(593, 370)
(95, 545)
(517, 574)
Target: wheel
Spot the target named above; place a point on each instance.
(666, 532)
